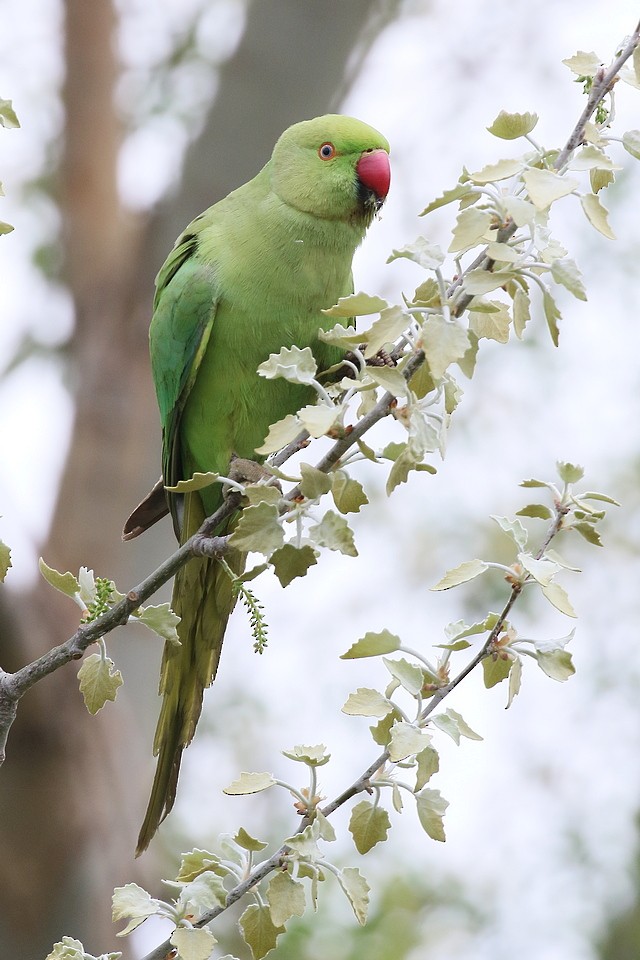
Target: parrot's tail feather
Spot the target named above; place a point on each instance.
(203, 598)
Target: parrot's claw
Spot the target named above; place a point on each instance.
(245, 471)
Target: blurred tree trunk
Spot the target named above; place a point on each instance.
(73, 787)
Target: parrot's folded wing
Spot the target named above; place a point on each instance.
(153, 508)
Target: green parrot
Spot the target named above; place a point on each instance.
(248, 276)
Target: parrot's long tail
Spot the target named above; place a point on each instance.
(203, 598)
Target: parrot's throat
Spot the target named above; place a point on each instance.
(369, 203)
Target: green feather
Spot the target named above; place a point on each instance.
(247, 277)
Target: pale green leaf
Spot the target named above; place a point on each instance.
(161, 619)
(314, 482)
(325, 828)
(64, 582)
(203, 893)
(552, 316)
(502, 252)
(5, 228)
(588, 531)
(334, 532)
(197, 861)
(193, 943)
(514, 529)
(471, 226)
(133, 903)
(428, 764)
(592, 495)
(493, 325)
(431, 809)
(510, 126)
(535, 510)
(521, 312)
(449, 196)
(599, 179)
(443, 342)
(542, 571)
(408, 675)
(631, 143)
(313, 756)
(461, 574)
(381, 731)
(566, 272)
(259, 930)
(98, 681)
(292, 363)
(597, 213)
(557, 664)
(249, 783)
(369, 825)
(348, 494)
(356, 305)
(495, 669)
(318, 418)
(389, 378)
(197, 482)
(366, 702)
(455, 720)
(494, 172)
(545, 186)
(8, 116)
(305, 843)
(515, 680)
(341, 336)
(533, 483)
(372, 645)
(392, 323)
(290, 562)
(521, 211)
(70, 949)
(557, 558)
(422, 251)
(569, 472)
(280, 434)
(557, 595)
(286, 898)
(258, 529)
(247, 842)
(5, 560)
(591, 157)
(584, 64)
(406, 740)
(356, 889)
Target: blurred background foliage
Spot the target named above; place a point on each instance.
(135, 116)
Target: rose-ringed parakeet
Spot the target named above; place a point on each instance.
(248, 276)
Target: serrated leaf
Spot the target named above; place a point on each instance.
(428, 763)
(543, 571)
(133, 903)
(452, 723)
(69, 949)
(569, 472)
(318, 418)
(522, 212)
(631, 143)
(471, 226)
(443, 342)
(510, 126)
(366, 702)
(590, 157)
(259, 930)
(557, 664)
(258, 530)
(389, 378)
(599, 179)
(502, 252)
(514, 529)
(422, 251)
(341, 336)
(247, 842)
(356, 305)
(348, 494)
(449, 196)
(495, 669)
(249, 783)
(369, 825)
(313, 756)
(334, 532)
(406, 740)
(356, 889)
(161, 619)
(193, 943)
(381, 731)
(280, 434)
(314, 482)
(493, 325)
(5, 228)
(592, 495)
(533, 483)
(583, 64)
(305, 843)
(431, 809)
(552, 315)
(501, 170)
(537, 510)
(392, 323)
(461, 574)
(292, 363)
(566, 272)
(588, 531)
(372, 645)
(64, 582)
(197, 861)
(596, 214)
(286, 898)
(5, 560)
(197, 482)
(98, 681)
(408, 675)
(521, 312)
(405, 462)
(290, 562)
(545, 186)
(8, 118)
(557, 596)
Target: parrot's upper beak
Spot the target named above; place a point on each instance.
(374, 173)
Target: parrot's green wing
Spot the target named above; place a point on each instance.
(184, 312)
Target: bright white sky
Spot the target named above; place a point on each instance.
(541, 815)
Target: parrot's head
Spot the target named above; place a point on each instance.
(332, 167)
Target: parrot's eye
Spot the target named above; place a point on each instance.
(327, 151)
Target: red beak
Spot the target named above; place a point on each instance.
(374, 171)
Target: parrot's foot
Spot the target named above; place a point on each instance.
(244, 471)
